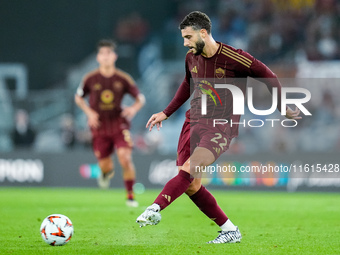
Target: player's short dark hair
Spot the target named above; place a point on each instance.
(197, 20)
(106, 43)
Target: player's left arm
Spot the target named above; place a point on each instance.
(132, 89)
(261, 72)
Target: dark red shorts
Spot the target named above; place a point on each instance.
(103, 145)
(201, 135)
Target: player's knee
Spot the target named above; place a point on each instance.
(125, 164)
(193, 188)
(124, 157)
(125, 161)
(195, 168)
(185, 167)
(106, 166)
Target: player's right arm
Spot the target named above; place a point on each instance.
(156, 119)
(92, 115)
(182, 95)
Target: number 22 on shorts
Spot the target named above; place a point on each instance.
(127, 137)
(222, 144)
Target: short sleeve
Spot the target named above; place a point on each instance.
(83, 88)
(131, 86)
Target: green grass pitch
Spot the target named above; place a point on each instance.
(270, 222)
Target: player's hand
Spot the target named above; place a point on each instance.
(129, 112)
(290, 114)
(93, 119)
(156, 119)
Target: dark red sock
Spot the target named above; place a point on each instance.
(128, 187)
(206, 202)
(173, 189)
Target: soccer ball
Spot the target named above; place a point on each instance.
(56, 229)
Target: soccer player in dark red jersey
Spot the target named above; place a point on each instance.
(108, 121)
(206, 59)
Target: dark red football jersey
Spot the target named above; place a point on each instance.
(227, 66)
(105, 97)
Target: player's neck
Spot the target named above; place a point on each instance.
(210, 48)
(107, 71)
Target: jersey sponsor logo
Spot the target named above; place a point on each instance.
(194, 69)
(219, 73)
(107, 96)
(237, 57)
(207, 89)
(97, 86)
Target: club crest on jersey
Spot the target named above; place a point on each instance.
(207, 89)
(219, 72)
(97, 86)
(107, 96)
(117, 85)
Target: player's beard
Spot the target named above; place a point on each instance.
(199, 47)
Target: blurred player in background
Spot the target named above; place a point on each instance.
(108, 121)
(206, 59)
